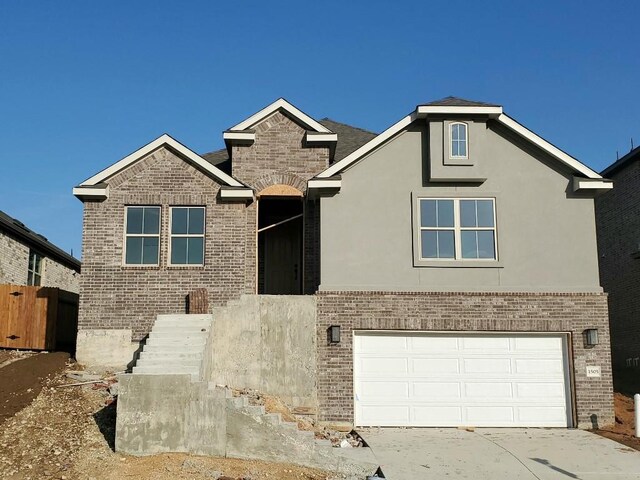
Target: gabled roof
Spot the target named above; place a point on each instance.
(164, 140)
(36, 241)
(459, 102)
(349, 138)
(280, 104)
(452, 105)
(622, 162)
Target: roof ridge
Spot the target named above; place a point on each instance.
(347, 125)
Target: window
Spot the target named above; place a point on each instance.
(142, 243)
(457, 229)
(34, 275)
(187, 236)
(458, 137)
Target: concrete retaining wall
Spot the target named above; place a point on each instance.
(267, 343)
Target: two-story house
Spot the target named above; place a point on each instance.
(452, 257)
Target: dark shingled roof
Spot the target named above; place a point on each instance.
(349, 140)
(36, 241)
(622, 162)
(459, 102)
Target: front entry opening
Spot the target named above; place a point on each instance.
(280, 224)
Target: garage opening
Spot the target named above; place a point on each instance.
(462, 379)
(280, 224)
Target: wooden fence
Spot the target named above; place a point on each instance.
(39, 318)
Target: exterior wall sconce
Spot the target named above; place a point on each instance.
(591, 337)
(334, 334)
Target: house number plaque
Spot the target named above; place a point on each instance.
(593, 371)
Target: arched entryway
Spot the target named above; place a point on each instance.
(280, 240)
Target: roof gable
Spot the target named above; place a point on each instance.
(280, 104)
(91, 186)
(453, 105)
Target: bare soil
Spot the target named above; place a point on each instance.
(624, 429)
(68, 432)
(22, 380)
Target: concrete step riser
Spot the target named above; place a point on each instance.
(145, 355)
(166, 371)
(168, 363)
(184, 316)
(170, 342)
(177, 336)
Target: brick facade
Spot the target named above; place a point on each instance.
(14, 264)
(470, 312)
(117, 297)
(618, 226)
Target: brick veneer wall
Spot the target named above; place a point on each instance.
(509, 312)
(14, 264)
(117, 297)
(14, 260)
(618, 227)
(279, 156)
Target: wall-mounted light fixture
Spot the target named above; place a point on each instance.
(591, 337)
(334, 334)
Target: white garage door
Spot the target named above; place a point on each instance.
(444, 380)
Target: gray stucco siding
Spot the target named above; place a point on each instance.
(546, 236)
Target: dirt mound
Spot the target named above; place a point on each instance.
(624, 429)
(22, 380)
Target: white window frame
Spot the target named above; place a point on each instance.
(457, 230)
(32, 273)
(187, 235)
(141, 235)
(466, 141)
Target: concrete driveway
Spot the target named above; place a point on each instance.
(500, 454)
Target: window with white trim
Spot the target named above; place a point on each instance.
(457, 229)
(34, 269)
(458, 140)
(142, 235)
(187, 236)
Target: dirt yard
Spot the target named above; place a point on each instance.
(55, 432)
(624, 429)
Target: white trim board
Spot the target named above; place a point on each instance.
(154, 145)
(423, 111)
(281, 103)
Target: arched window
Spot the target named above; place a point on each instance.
(458, 140)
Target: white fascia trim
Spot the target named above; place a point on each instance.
(281, 103)
(313, 184)
(580, 183)
(243, 136)
(548, 147)
(91, 192)
(236, 194)
(150, 147)
(321, 138)
(455, 110)
(369, 146)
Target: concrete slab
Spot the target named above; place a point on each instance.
(500, 454)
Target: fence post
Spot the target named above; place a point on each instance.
(636, 409)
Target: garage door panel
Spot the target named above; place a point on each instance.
(539, 344)
(537, 366)
(461, 380)
(386, 415)
(488, 390)
(434, 344)
(540, 390)
(543, 415)
(422, 366)
(385, 389)
(379, 366)
(487, 365)
(433, 416)
(435, 390)
(380, 343)
(487, 344)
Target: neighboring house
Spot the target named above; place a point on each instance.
(28, 258)
(618, 224)
(452, 259)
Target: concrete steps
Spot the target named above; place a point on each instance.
(176, 345)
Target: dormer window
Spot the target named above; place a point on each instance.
(458, 140)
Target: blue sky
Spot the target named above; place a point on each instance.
(83, 84)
